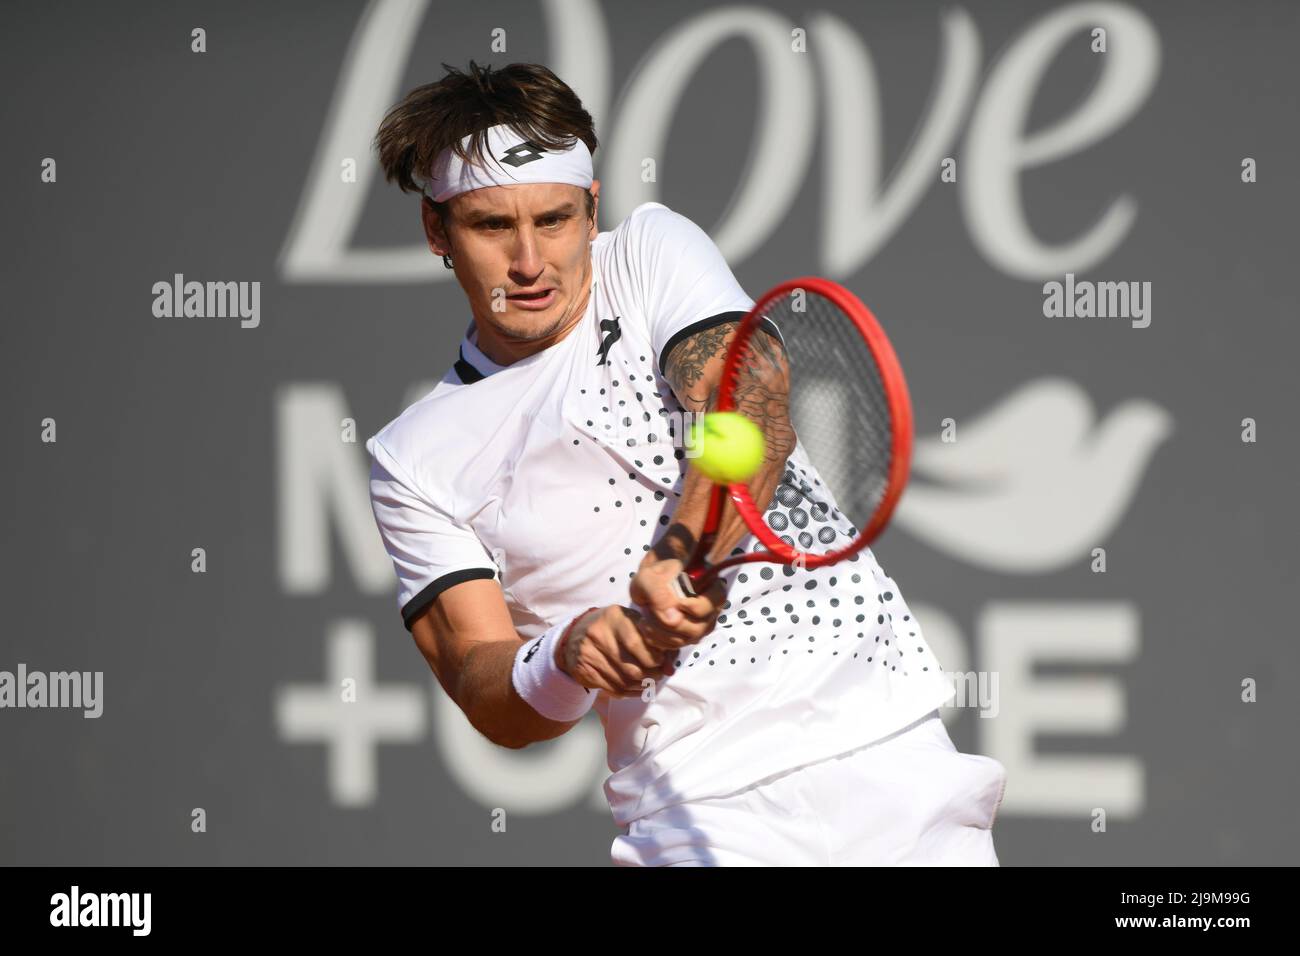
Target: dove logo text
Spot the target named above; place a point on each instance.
(1102, 300)
(862, 207)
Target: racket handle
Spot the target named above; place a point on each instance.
(687, 586)
(683, 586)
(696, 576)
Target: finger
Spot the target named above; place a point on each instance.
(717, 591)
(688, 631)
(652, 589)
(592, 668)
(591, 680)
(591, 677)
(654, 638)
(633, 674)
(662, 640)
(658, 635)
(628, 669)
(602, 672)
(602, 655)
(705, 602)
(633, 644)
(705, 606)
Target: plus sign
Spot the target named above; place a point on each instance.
(309, 713)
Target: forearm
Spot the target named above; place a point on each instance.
(692, 510)
(485, 692)
(761, 394)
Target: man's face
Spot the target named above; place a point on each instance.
(521, 253)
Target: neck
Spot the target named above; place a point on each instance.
(506, 351)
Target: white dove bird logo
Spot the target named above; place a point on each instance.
(1031, 485)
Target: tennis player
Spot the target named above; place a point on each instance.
(538, 503)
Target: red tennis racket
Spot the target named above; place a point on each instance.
(852, 418)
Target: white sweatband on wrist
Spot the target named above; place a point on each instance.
(547, 689)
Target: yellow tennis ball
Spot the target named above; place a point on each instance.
(727, 447)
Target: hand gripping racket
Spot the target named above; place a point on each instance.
(851, 415)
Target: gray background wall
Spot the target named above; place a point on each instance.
(183, 433)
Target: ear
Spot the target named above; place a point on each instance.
(433, 228)
(595, 211)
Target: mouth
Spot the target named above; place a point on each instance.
(538, 299)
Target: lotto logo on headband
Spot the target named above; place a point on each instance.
(521, 153)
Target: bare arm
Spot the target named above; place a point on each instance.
(694, 370)
(470, 642)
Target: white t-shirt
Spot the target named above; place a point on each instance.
(555, 474)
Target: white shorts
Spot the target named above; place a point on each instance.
(909, 799)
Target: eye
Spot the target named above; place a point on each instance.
(552, 221)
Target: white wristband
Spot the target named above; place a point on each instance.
(549, 691)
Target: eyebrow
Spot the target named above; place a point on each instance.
(566, 209)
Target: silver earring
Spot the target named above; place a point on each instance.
(446, 261)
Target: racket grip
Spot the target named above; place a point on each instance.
(687, 586)
(683, 586)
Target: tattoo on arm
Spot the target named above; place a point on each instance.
(688, 361)
(762, 390)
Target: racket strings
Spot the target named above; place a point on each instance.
(840, 414)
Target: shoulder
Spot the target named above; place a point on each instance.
(416, 433)
(652, 225)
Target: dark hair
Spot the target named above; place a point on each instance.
(439, 115)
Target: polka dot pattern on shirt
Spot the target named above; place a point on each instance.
(830, 619)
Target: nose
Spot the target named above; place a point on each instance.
(526, 263)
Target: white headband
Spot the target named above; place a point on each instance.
(515, 161)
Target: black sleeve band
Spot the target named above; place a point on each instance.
(416, 606)
(767, 326)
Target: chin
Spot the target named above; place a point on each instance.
(529, 326)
